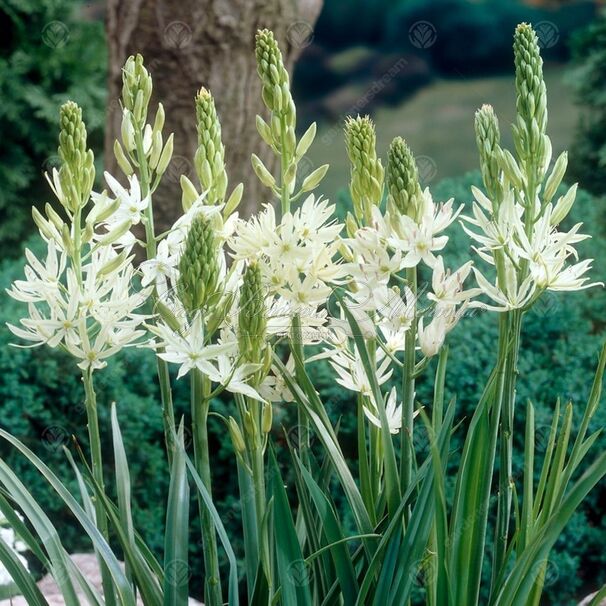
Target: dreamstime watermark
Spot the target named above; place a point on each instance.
(548, 34)
(422, 34)
(55, 34)
(428, 169)
(299, 573)
(177, 35)
(54, 437)
(300, 34)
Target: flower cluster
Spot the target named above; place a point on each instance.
(80, 296)
(298, 261)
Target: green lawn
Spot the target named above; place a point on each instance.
(438, 124)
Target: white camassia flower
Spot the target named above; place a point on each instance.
(447, 287)
(432, 336)
(418, 239)
(351, 373)
(188, 348)
(393, 411)
(226, 372)
(93, 318)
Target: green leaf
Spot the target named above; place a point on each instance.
(123, 589)
(176, 567)
(233, 599)
(23, 579)
(391, 475)
(293, 572)
(334, 534)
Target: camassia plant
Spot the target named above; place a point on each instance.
(245, 308)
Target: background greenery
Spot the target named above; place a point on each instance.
(354, 41)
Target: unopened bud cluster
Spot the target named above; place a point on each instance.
(252, 319)
(488, 138)
(197, 287)
(367, 173)
(77, 172)
(529, 130)
(210, 156)
(403, 188)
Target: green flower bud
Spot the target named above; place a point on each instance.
(234, 200)
(531, 100)
(197, 286)
(555, 178)
(313, 180)
(211, 152)
(261, 171)
(122, 160)
(488, 138)
(165, 156)
(236, 435)
(252, 319)
(403, 188)
(136, 89)
(266, 417)
(77, 172)
(366, 184)
(274, 77)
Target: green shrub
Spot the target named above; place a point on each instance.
(587, 77)
(48, 54)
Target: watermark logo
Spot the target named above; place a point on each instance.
(428, 169)
(300, 34)
(547, 33)
(177, 35)
(300, 573)
(55, 34)
(55, 437)
(422, 34)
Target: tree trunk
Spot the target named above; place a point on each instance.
(187, 44)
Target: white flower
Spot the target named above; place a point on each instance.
(513, 296)
(431, 337)
(188, 348)
(161, 268)
(132, 207)
(233, 377)
(351, 373)
(418, 238)
(447, 287)
(393, 411)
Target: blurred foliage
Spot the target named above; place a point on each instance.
(588, 158)
(48, 54)
(470, 37)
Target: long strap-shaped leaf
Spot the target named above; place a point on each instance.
(22, 578)
(122, 586)
(331, 445)
(292, 568)
(176, 567)
(518, 584)
(233, 599)
(334, 534)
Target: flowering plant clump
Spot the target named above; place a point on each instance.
(245, 306)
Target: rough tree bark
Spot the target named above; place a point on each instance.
(192, 43)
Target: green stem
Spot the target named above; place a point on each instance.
(97, 469)
(166, 398)
(200, 405)
(505, 494)
(408, 390)
(284, 194)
